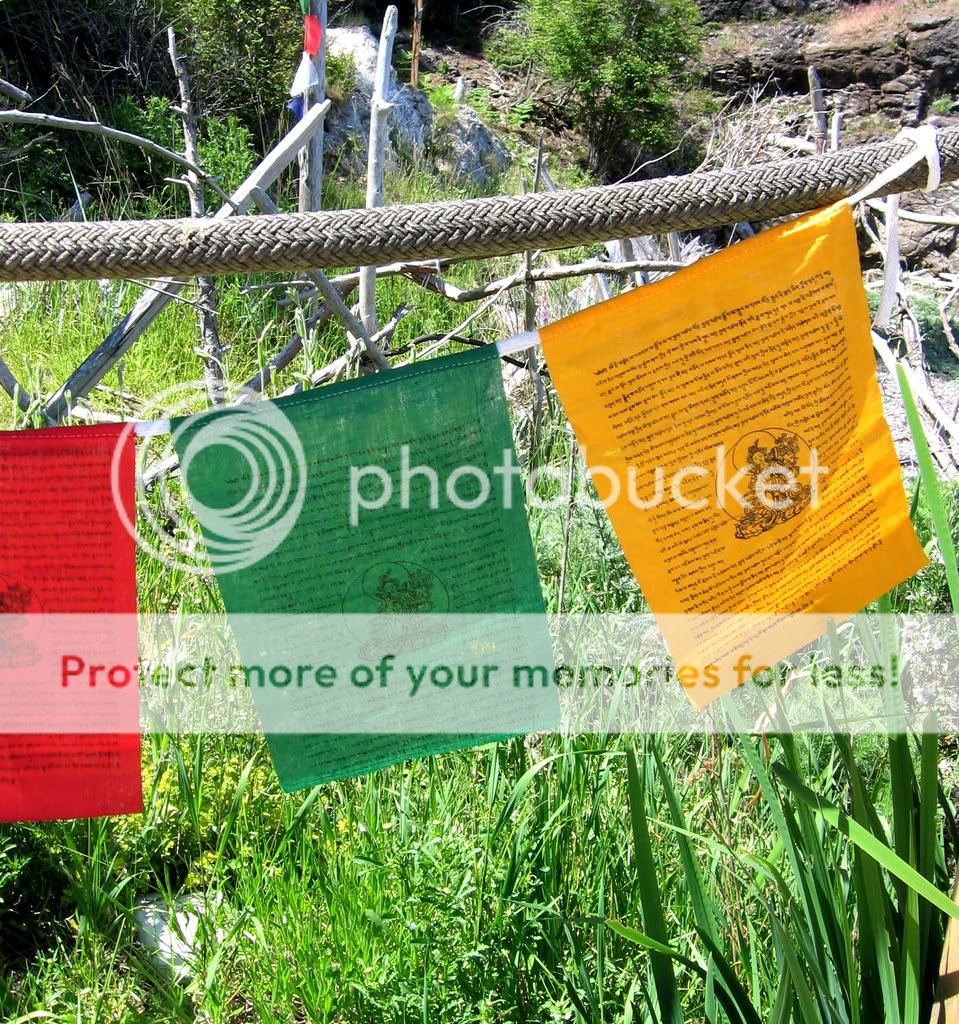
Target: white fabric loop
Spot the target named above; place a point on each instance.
(925, 142)
(926, 139)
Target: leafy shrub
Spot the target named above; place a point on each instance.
(242, 58)
(620, 64)
(226, 150)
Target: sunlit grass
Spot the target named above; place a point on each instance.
(591, 878)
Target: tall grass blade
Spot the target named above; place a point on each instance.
(702, 905)
(804, 996)
(868, 843)
(930, 485)
(654, 921)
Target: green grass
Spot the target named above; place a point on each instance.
(593, 878)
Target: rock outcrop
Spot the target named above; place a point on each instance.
(348, 123)
(470, 152)
(753, 10)
(896, 69)
(465, 146)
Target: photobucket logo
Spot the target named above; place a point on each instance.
(765, 479)
(254, 444)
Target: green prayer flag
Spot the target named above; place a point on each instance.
(375, 531)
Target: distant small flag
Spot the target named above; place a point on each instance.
(306, 77)
(69, 718)
(312, 35)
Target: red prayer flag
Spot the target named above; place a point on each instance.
(67, 578)
(312, 34)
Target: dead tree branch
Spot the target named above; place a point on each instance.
(210, 345)
(152, 303)
(18, 152)
(17, 95)
(95, 128)
(426, 278)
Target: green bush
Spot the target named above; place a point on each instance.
(226, 151)
(242, 58)
(620, 64)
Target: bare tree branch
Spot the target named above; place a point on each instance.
(210, 346)
(149, 305)
(425, 277)
(95, 128)
(17, 95)
(9, 155)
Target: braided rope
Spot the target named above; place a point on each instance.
(472, 228)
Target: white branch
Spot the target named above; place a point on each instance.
(920, 218)
(427, 279)
(17, 95)
(380, 108)
(95, 128)
(923, 393)
(153, 302)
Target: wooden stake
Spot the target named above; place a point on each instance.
(835, 126)
(380, 108)
(820, 125)
(417, 35)
(311, 158)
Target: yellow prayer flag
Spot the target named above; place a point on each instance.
(732, 421)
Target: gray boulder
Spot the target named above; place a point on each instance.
(934, 51)
(470, 152)
(348, 123)
(171, 934)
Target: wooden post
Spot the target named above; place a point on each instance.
(311, 158)
(380, 108)
(417, 34)
(835, 127)
(820, 125)
(946, 1008)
